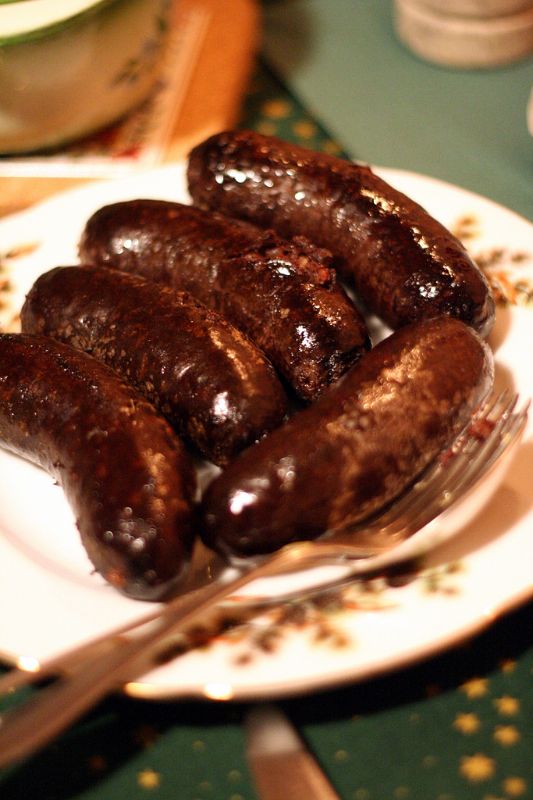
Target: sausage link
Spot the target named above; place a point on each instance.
(172, 243)
(209, 380)
(283, 295)
(358, 447)
(127, 477)
(403, 263)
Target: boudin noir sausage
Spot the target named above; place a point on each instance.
(403, 264)
(127, 477)
(213, 385)
(281, 294)
(358, 447)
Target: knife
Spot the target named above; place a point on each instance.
(280, 764)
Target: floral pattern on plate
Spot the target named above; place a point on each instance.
(295, 648)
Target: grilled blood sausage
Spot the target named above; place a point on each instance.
(283, 295)
(209, 380)
(404, 264)
(359, 446)
(126, 475)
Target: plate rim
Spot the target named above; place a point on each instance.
(143, 689)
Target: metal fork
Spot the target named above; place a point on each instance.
(111, 661)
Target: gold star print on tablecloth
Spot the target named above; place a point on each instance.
(514, 787)
(507, 706)
(506, 735)
(475, 687)
(283, 116)
(467, 723)
(148, 779)
(478, 767)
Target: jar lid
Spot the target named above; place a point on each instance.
(464, 42)
(478, 8)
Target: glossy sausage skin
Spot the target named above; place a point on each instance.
(209, 380)
(283, 295)
(403, 263)
(127, 477)
(358, 447)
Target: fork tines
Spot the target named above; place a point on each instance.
(492, 428)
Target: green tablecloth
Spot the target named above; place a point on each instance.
(388, 107)
(456, 727)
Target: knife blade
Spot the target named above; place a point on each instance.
(280, 764)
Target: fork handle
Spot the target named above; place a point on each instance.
(28, 727)
(111, 660)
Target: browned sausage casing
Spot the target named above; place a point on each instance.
(126, 475)
(404, 264)
(283, 295)
(208, 379)
(357, 447)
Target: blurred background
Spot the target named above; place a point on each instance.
(336, 76)
(323, 70)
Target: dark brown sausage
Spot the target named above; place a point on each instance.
(283, 295)
(175, 244)
(355, 449)
(208, 379)
(126, 475)
(404, 264)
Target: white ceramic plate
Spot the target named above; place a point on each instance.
(51, 601)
